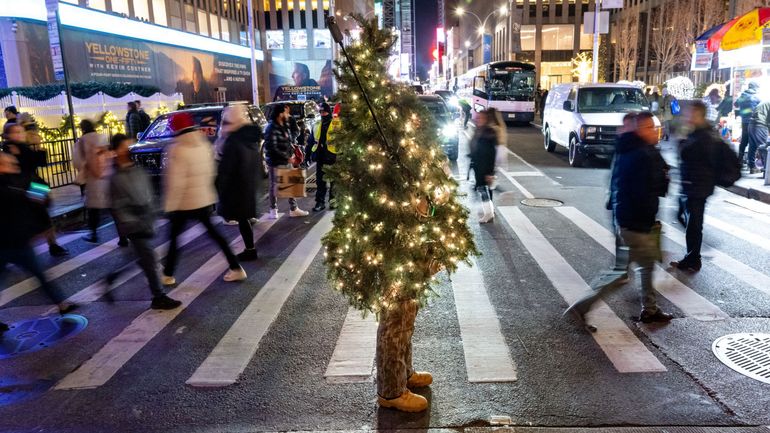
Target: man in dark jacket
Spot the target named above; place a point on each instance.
(758, 132)
(639, 178)
(746, 104)
(278, 151)
(146, 120)
(323, 158)
(698, 154)
(133, 121)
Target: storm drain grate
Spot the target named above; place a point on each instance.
(748, 354)
(35, 334)
(541, 202)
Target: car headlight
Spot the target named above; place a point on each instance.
(588, 132)
(449, 131)
(454, 101)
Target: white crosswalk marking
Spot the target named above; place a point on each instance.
(743, 272)
(518, 186)
(624, 350)
(686, 299)
(117, 352)
(23, 287)
(487, 357)
(234, 352)
(353, 357)
(750, 237)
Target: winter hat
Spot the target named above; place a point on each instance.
(754, 85)
(180, 122)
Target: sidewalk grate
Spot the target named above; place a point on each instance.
(32, 335)
(748, 354)
(541, 202)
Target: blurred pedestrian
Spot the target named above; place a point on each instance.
(667, 113)
(145, 118)
(325, 155)
(483, 156)
(17, 218)
(237, 175)
(746, 103)
(711, 102)
(98, 170)
(189, 193)
(10, 114)
(699, 161)
(29, 160)
(133, 121)
(279, 150)
(132, 198)
(726, 106)
(466, 107)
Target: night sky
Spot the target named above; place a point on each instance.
(426, 19)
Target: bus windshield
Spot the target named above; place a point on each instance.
(611, 99)
(511, 85)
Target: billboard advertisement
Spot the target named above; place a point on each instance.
(92, 56)
(302, 79)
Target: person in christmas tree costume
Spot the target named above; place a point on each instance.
(398, 220)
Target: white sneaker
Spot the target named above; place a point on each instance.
(167, 281)
(235, 275)
(253, 220)
(273, 214)
(231, 223)
(298, 213)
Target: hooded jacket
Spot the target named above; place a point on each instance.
(189, 173)
(639, 177)
(238, 174)
(747, 102)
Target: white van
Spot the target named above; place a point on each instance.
(585, 118)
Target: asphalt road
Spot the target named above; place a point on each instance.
(275, 335)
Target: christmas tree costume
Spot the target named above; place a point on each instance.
(398, 220)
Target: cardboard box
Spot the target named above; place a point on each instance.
(291, 182)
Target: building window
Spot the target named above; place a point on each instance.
(225, 29)
(298, 39)
(97, 4)
(175, 12)
(189, 18)
(274, 39)
(141, 10)
(203, 23)
(214, 26)
(528, 38)
(558, 37)
(586, 40)
(159, 12)
(120, 6)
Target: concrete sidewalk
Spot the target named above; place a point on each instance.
(66, 204)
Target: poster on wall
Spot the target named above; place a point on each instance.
(312, 78)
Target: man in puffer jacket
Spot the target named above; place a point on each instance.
(746, 104)
(189, 192)
(278, 152)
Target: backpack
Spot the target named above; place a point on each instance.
(144, 120)
(728, 167)
(675, 108)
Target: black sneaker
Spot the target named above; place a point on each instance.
(163, 302)
(66, 308)
(657, 317)
(688, 265)
(319, 207)
(91, 239)
(247, 255)
(123, 242)
(57, 250)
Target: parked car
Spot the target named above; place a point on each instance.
(303, 111)
(451, 100)
(448, 131)
(585, 118)
(148, 152)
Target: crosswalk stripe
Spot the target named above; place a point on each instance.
(686, 299)
(234, 351)
(353, 358)
(96, 290)
(526, 173)
(752, 238)
(25, 286)
(518, 186)
(622, 347)
(487, 357)
(117, 352)
(743, 272)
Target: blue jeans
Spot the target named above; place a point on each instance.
(757, 137)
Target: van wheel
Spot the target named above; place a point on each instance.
(549, 144)
(576, 159)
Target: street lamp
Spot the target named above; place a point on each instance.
(502, 10)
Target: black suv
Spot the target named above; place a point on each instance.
(148, 152)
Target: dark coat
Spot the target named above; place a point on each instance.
(238, 174)
(132, 202)
(639, 177)
(133, 124)
(746, 103)
(484, 154)
(17, 215)
(698, 155)
(29, 161)
(278, 145)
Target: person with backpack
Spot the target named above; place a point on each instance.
(746, 103)
(145, 118)
(758, 132)
(705, 162)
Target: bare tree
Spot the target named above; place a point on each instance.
(667, 34)
(627, 44)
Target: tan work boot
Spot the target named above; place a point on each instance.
(408, 402)
(419, 379)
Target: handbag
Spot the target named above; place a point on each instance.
(299, 156)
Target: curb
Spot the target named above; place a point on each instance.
(751, 193)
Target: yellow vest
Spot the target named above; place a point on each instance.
(335, 123)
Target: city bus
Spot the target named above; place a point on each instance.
(508, 87)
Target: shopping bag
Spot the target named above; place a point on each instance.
(291, 182)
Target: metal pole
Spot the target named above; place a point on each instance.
(67, 89)
(595, 62)
(252, 44)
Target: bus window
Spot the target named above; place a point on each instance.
(479, 87)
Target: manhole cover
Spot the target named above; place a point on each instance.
(541, 202)
(748, 354)
(31, 335)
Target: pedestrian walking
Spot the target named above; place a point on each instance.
(701, 159)
(711, 102)
(746, 103)
(483, 156)
(98, 170)
(758, 132)
(17, 217)
(325, 155)
(10, 114)
(29, 160)
(133, 207)
(667, 112)
(145, 118)
(133, 121)
(466, 107)
(237, 174)
(279, 150)
(189, 193)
